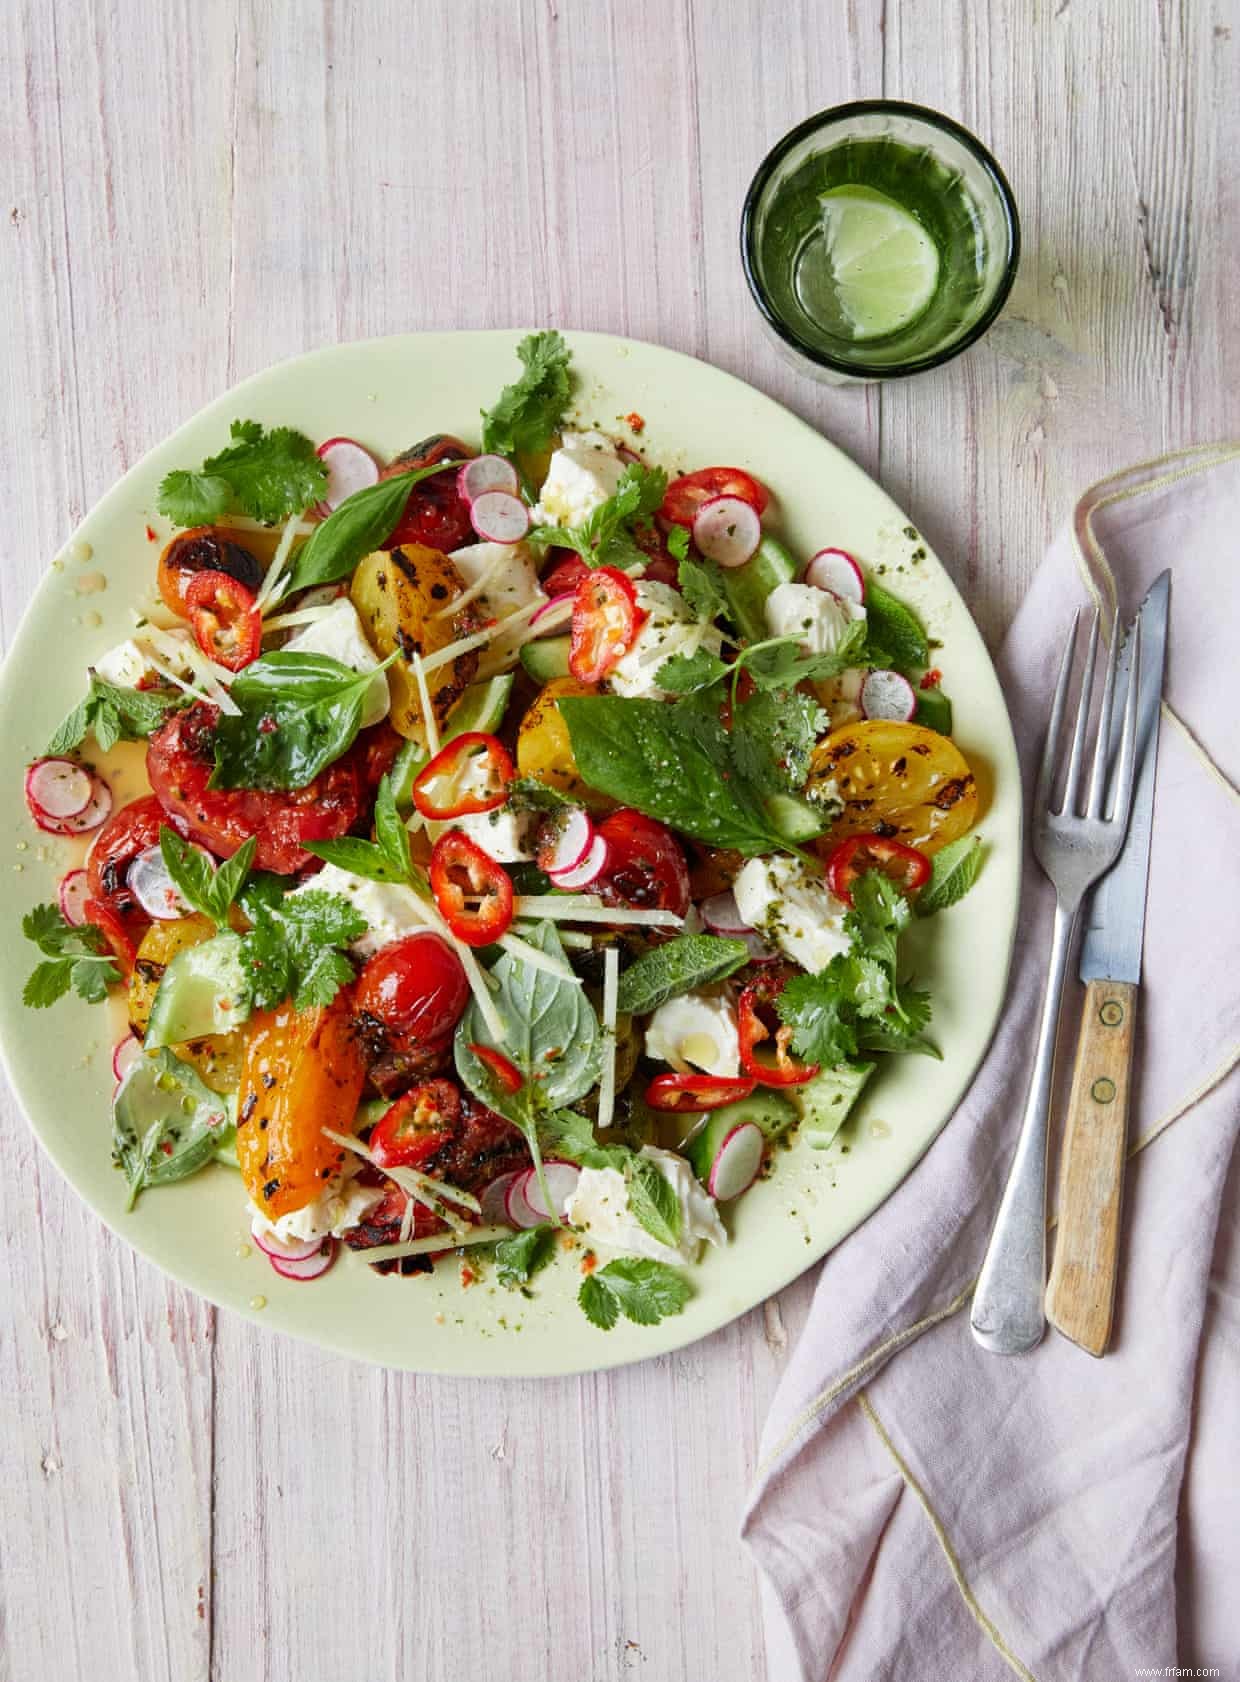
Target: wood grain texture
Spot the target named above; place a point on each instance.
(1080, 1295)
(191, 193)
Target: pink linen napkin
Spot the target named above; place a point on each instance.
(928, 1512)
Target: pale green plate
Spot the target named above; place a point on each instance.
(388, 393)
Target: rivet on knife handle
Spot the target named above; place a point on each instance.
(1080, 1298)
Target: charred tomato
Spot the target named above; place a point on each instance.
(436, 513)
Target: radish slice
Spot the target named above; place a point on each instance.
(125, 1054)
(574, 836)
(93, 814)
(149, 882)
(737, 1162)
(551, 616)
(349, 467)
(57, 789)
(721, 916)
(835, 570)
(561, 1178)
(312, 1267)
(494, 1198)
(727, 530)
(516, 1206)
(74, 892)
(888, 695)
(284, 1249)
(486, 473)
(499, 517)
(592, 865)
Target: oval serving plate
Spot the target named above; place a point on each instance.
(387, 393)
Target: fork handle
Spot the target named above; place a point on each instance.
(1007, 1314)
(1080, 1298)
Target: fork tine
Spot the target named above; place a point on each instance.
(1125, 776)
(1102, 747)
(1077, 757)
(1050, 753)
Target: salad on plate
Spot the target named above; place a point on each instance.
(529, 840)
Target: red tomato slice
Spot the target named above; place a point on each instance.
(752, 1009)
(411, 994)
(436, 514)
(471, 773)
(113, 931)
(646, 865)
(696, 1092)
(859, 853)
(472, 891)
(227, 625)
(606, 620)
(126, 834)
(686, 495)
(563, 578)
(417, 1126)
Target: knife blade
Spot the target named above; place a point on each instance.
(1115, 929)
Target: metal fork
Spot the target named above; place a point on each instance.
(1074, 849)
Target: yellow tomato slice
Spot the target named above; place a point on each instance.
(898, 780)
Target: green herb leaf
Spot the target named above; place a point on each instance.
(894, 635)
(781, 663)
(80, 960)
(653, 1201)
(678, 549)
(700, 583)
(671, 762)
(902, 1027)
(294, 949)
(361, 858)
(266, 475)
(678, 966)
(605, 539)
(299, 713)
(642, 1290)
(818, 1010)
(954, 870)
(529, 412)
(880, 913)
(166, 1124)
(390, 831)
(112, 713)
(773, 736)
(360, 524)
(527, 794)
(207, 889)
(520, 1258)
(683, 674)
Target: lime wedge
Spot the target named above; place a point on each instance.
(884, 265)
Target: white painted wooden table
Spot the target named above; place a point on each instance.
(194, 191)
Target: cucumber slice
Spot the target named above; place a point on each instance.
(748, 586)
(795, 819)
(825, 1101)
(727, 1154)
(766, 1108)
(547, 658)
(934, 710)
(203, 991)
(481, 707)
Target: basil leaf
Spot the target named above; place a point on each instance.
(299, 713)
(361, 523)
(653, 1201)
(203, 887)
(671, 763)
(360, 858)
(953, 872)
(678, 966)
(166, 1124)
(894, 634)
(390, 831)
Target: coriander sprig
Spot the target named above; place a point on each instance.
(77, 958)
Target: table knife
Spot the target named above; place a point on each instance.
(1080, 1296)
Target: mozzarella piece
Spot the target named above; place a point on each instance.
(816, 616)
(503, 834)
(698, 1030)
(339, 1206)
(582, 474)
(599, 1205)
(125, 665)
(670, 628)
(793, 907)
(339, 635)
(512, 584)
(389, 908)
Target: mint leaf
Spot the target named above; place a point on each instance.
(112, 713)
(678, 966)
(653, 1201)
(954, 869)
(894, 635)
(520, 1258)
(528, 413)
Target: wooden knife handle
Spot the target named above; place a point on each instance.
(1080, 1297)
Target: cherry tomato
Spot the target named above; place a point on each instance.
(471, 773)
(503, 1068)
(417, 1125)
(473, 893)
(204, 549)
(436, 514)
(563, 578)
(696, 1092)
(606, 620)
(380, 745)
(859, 853)
(415, 991)
(227, 625)
(179, 763)
(754, 1016)
(126, 834)
(113, 930)
(646, 866)
(686, 495)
